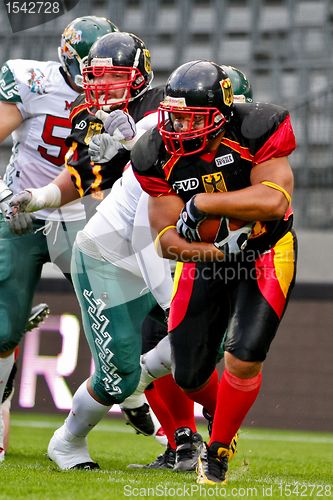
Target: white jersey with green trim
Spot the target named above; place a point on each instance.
(43, 97)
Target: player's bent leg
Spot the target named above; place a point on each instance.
(112, 311)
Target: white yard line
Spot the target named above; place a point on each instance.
(121, 427)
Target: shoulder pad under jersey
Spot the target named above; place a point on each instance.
(259, 120)
(78, 105)
(145, 152)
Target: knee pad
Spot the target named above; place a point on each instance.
(158, 360)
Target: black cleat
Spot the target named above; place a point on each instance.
(164, 461)
(86, 466)
(213, 464)
(140, 419)
(234, 441)
(37, 315)
(188, 449)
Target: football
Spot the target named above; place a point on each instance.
(210, 226)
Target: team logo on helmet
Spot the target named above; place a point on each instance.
(72, 36)
(177, 102)
(147, 63)
(214, 182)
(228, 95)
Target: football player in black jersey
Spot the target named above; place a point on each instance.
(117, 94)
(211, 157)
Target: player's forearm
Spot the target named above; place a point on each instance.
(67, 189)
(173, 247)
(257, 202)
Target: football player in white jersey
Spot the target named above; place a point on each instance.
(35, 99)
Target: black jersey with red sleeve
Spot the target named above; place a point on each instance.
(92, 178)
(257, 133)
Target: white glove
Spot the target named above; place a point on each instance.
(119, 125)
(103, 148)
(20, 223)
(232, 242)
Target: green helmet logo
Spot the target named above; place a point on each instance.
(240, 84)
(76, 41)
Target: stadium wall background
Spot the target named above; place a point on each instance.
(296, 394)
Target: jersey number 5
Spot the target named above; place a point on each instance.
(49, 138)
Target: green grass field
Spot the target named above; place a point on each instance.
(269, 464)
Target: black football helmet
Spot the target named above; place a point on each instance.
(122, 54)
(76, 41)
(200, 90)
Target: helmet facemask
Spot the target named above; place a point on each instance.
(202, 125)
(101, 94)
(72, 63)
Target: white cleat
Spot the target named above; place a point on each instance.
(70, 452)
(2, 455)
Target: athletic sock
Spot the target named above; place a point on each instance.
(6, 365)
(179, 404)
(162, 412)
(86, 412)
(207, 394)
(235, 398)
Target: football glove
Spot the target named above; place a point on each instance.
(232, 242)
(189, 220)
(20, 223)
(119, 125)
(103, 147)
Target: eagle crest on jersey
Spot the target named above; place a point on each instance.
(214, 182)
(8, 88)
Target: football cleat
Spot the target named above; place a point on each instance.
(164, 461)
(234, 441)
(212, 464)
(37, 315)
(188, 449)
(140, 419)
(70, 453)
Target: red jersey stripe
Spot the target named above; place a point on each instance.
(182, 291)
(279, 144)
(243, 151)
